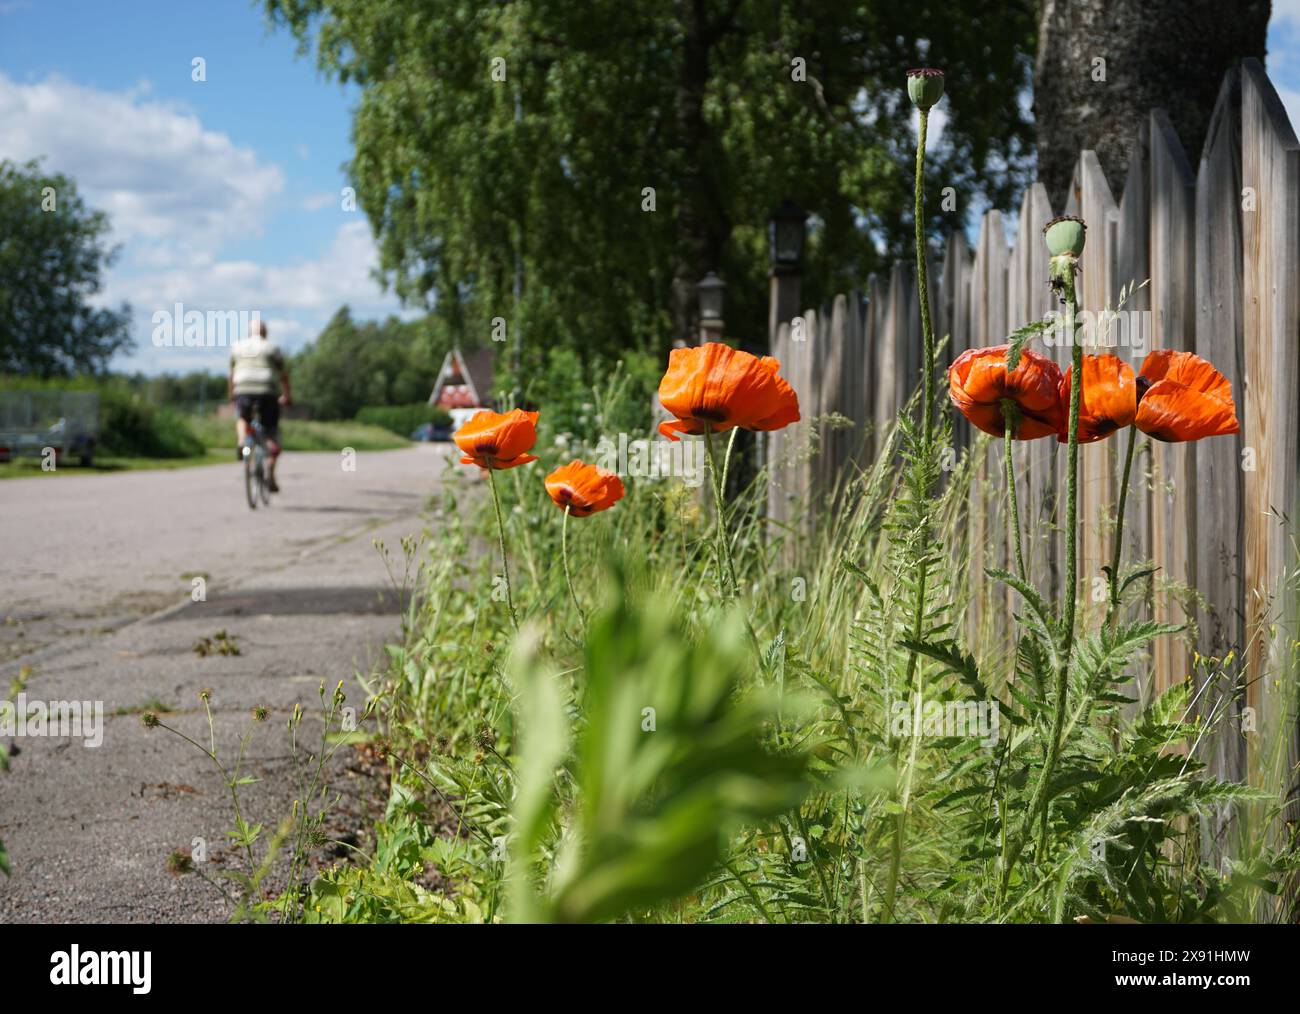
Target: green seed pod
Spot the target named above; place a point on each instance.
(924, 86)
(1065, 235)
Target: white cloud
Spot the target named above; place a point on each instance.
(1286, 12)
(151, 165)
(1291, 101)
(340, 275)
(178, 194)
(295, 299)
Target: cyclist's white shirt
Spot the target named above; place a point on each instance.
(257, 365)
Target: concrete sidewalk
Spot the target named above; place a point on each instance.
(95, 597)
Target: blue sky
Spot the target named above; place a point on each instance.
(225, 193)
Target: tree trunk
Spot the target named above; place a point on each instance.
(1170, 54)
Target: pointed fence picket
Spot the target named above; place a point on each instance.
(1219, 246)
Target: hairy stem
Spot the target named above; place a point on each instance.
(922, 284)
(915, 674)
(1009, 418)
(726, 569)
(1112, 612)
(568, 577)
(1038, 802)
(501, 541)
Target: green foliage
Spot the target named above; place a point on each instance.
(53, 254)
(400, 419)
(474, 184)
(352, 365)
(666, 765)
(132, 427)
(524, 787)
(587, 401)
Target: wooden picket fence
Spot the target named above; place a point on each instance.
(1220, 246)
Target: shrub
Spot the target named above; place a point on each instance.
(131, 427)
(399, 419)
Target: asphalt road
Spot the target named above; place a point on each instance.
(97, 575)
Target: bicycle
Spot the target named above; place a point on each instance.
(255, 455)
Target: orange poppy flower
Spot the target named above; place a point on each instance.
(1107, 398)
(496, 440)
(584, 489)
(978, 384)
(720, 387)
(1183, 397)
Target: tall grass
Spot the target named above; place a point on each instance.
(569, 800)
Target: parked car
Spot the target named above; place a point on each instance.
(431, 431)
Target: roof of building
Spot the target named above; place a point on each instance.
(473, 369)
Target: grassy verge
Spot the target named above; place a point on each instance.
(305, 435)
(24, 468)
(218, 437)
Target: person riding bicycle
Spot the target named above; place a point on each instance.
(259, 378)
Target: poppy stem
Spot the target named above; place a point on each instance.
(922, 283)
(501, 540)
(1009, 420)
(1112, 613)
(914, 670)
(1038, 802)
(726, 457)
(568, 577)
(726, 569)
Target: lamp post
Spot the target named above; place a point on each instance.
(711, 291)
(786, 231)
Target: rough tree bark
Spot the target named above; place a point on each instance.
(1170, 54)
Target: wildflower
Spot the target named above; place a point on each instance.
(584, 489)
(978, 384)
(149, 719)
(495, 440)
(715, 387)
(924, 86)
(1107, 398)
(1181, 396)
(1176, 396)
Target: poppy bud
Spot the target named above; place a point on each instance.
(1065, 236)
(924, 86)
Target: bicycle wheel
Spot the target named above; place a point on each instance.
(251, 479)
(263, 489)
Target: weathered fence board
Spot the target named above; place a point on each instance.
(1221, 250)
(1270, 176)
(1132, 269)
(1173, 313)
(1218, 546)
(1097, 292)
(988, 326)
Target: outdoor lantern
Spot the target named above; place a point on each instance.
(711, 292)
(785, 235)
